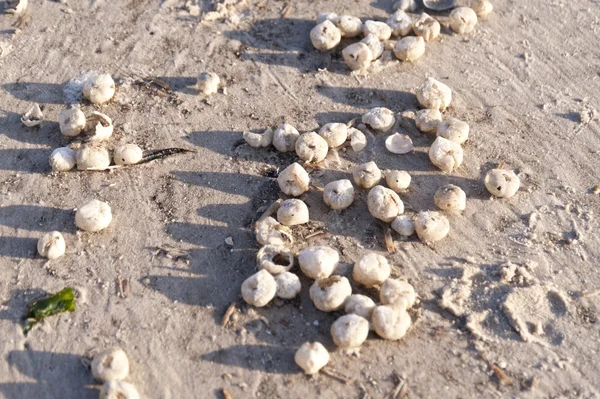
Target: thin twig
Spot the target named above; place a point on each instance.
(226, 394)
(228, 314)
(501, 375)
(591, 294)
(389, 241)
(157, 154)
(335, 376)
(316, 234)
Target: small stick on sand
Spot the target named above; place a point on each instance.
(389, 241)
(501, 375)
(285, 10)
(226, 394)
(316, 234)
(228, 314)
(403, 391)
(396, 391)
(333, 374)
(590, 294)
(126, 289)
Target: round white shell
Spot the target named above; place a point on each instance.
(285, 137)
(208, 83)
(329, 294)
(433, 94)
(110, 365)
(118, 390)
(128, 154)
(294, 180)
(445, 154)
(358, 56)
(463, 20)
(311, 357)
(384, 204)
(292, 212)
(361, 305)
(51, 245)
(397, 180)
(390, 322)
(311, 147)
(71, 122)
(381, 119)
(338, 194)
(398, 143)
(450, 198)
(325, 36)
(288, 285)
(62, 159)
(404, 225)
(366, 175)
(259, 289)
(350, 331)
(409, 48)
(92, 157)
(502, 183)
(318, 262)
(397, 293)
(431, 226)
(275, 259)
(94, 216)
(99, 89)
(371, 269)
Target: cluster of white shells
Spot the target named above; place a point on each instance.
(410, 32)
(111, 367)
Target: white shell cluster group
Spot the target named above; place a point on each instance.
(409, 30)
(111, 367)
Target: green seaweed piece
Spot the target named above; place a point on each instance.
(63, 301)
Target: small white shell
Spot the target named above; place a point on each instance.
(377, 28)
(71, 122)
(397, 293)
(431, 226)
(433, 94)
(409, 48)
(358, 140)
(335, 134)
(93, 216)
(110, 365)
(406, 5)
(404, 225)
(390, 322)
(384, 204)
(454, 130)
(325, 36)
(463, 20)
(371, 269)
(357, 56)
(311, 147)
(98, 127)
(259, 289)
(326, 16)
(374, 44)
(481, 7)
(62, 159)
(128, 154)
(445, 154)
(450, 198)
(33, 116)
(118, 390)
(329, 294)
(292, 212)
(381, 119)
(348, 25)
(350, 331)
(92, 157)
(270, 232)
(502, 183)
(427, 120)
(311, 357)
(361, 305)
(275, 259)
(285, 137)
(400, 22)
(397, 180)
(366, 175)
(426, 27)
(258, 140)
(338, 194)
(51, 245)
(208, 83)
(318, 262)
(398, 143)
(294, 180)
(99, 89)
(288, 285)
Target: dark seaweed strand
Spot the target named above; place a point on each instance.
(158, 154)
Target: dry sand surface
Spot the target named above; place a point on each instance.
(507, 304)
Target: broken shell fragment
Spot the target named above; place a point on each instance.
(284, 138)
(371, 269)
(99, 89)
(98, 127)
(335, 134)
(360, 305)
(288, 285)
(128, 154)
(445, 154)
(426, 27)
(439, 5)
(397, 293)
(71, 122)
(384, 204)
(94, 216)
(311, 357)
(409, 48)
(208, 83)
(275, 259)
(350, 331)
(481, 7)
(381, 119)
(400, 22)
(366, 175)
(397, 180)
(118, 390)
(431, 226)
(427, 120)
(110, 365)
(318, 262)
(358, 56)
(258, 140)
(375, 45)
(259, 289)
(292, 212)
(270, 232)
(502, 183)
(92, 157)
(62, 159)
(33, 117)
(398, 143)
(404, 225)
(390, 322)
(433, 94)
(325, 36)
(463, 20)
(51, 245)
(311, 147)
(358, 140)
(338, 194)
(329, 294)
(348, 25)
(294, 180)
(450, 198)
(377, 28)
